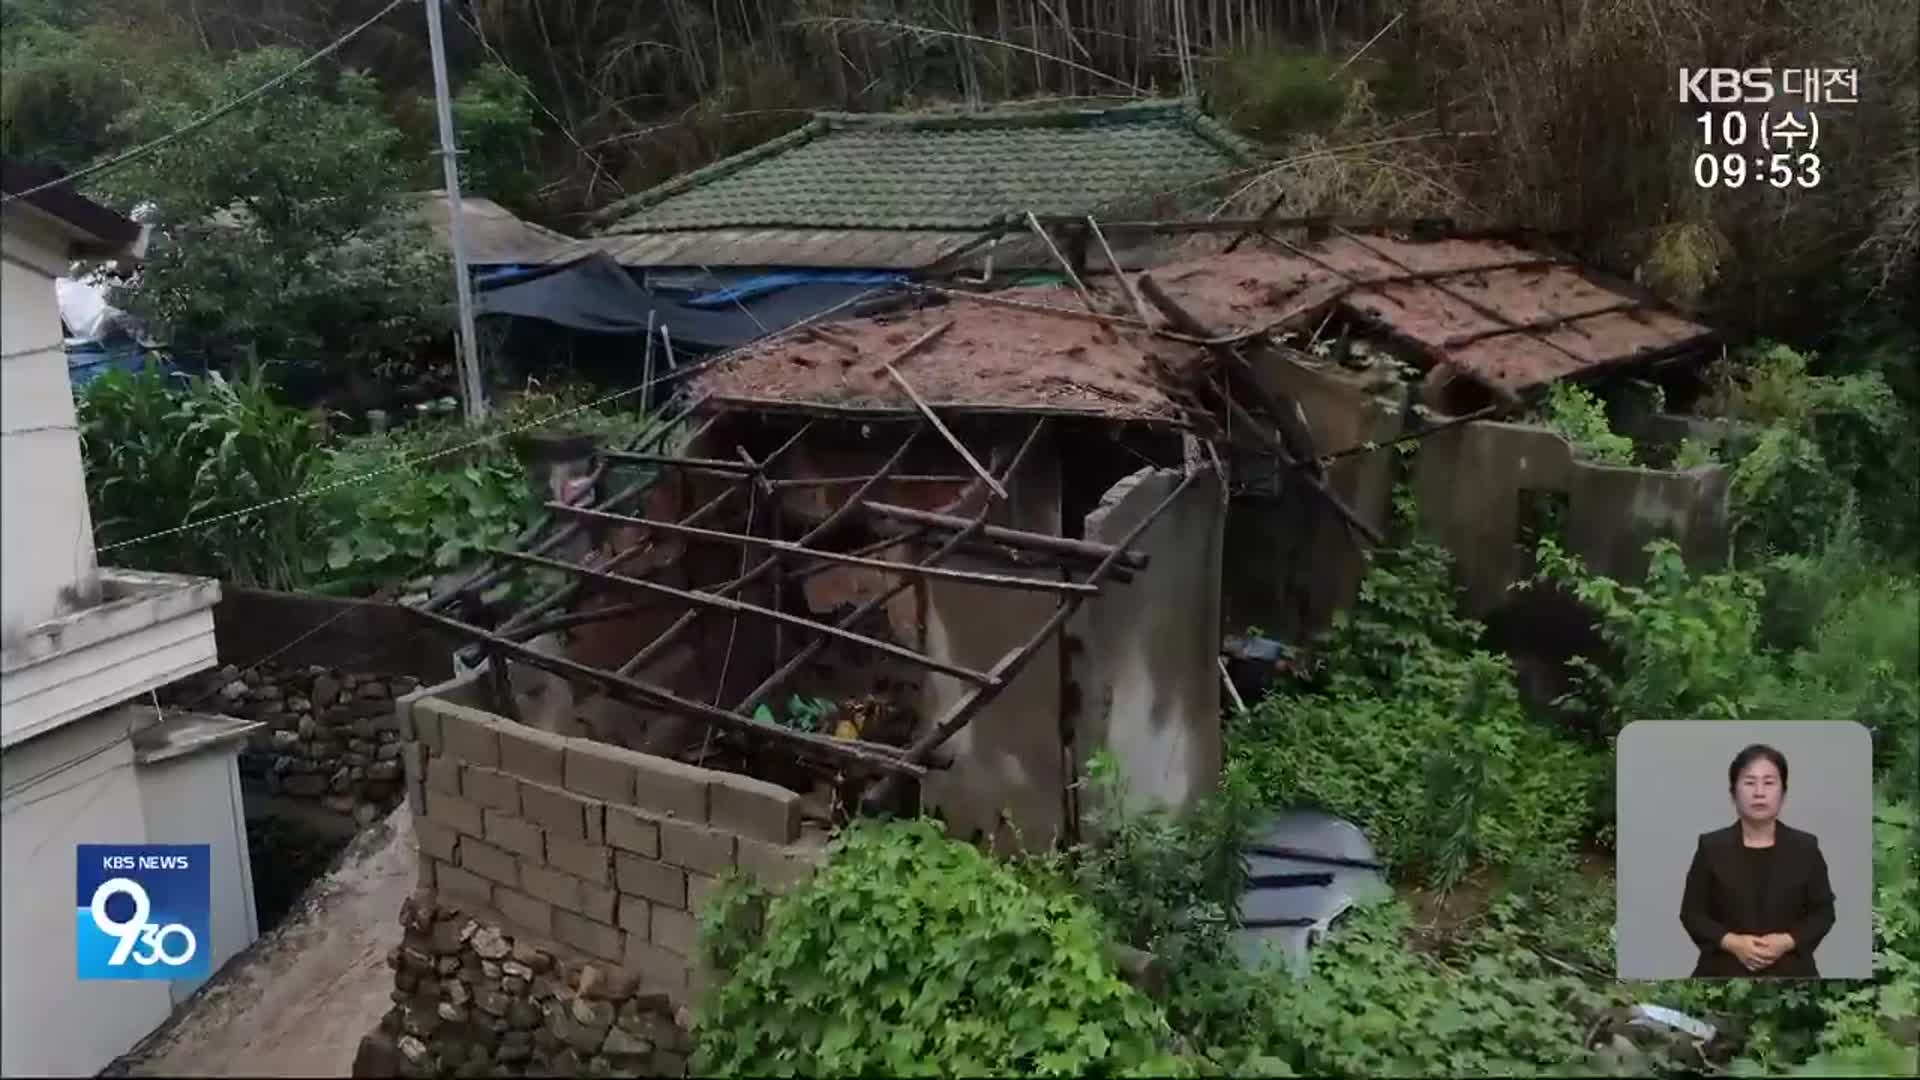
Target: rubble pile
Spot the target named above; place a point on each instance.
(470, 1001)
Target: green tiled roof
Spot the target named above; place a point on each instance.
(945, 170)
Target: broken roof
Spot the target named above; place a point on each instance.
(910, 188)
(1509, 316)
(494, 235)
(964, 357)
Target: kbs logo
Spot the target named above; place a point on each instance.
(1747, 86)
(142, 911)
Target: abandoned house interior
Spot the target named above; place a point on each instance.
(937, 555)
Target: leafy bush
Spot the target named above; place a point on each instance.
(1375, 1004)
(1817, 444)
(159, 455)
(1403, 708)
(1581, 418)
(1686, 644)
(914, 954)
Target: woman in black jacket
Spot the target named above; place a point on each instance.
(1757, 900)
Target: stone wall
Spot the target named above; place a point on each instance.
(590, 850)
(471, 1000)
(330, 735)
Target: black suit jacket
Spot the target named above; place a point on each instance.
(1721, 898)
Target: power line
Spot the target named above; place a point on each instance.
(202, 121)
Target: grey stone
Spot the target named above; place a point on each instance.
(537, 959)
(406, 982)
(415, 959)
(384, 770)
(491, 944)
(374, 691)
(429, 987)
(412, 1049)
(228, 673)
(516, 969)
(515, 1046)
(365, 814)
(621, 1043)
(523, 1015)
(304, 785)
(451, 1013)
(286, 740)
(493, 1002)
(234, 691)
(399, 997)
(377, 1055)
(386, 751)
(296, 703)
(566, 1063)
(339, 804)
(591, 1013)
(353, 758)
(362, 745)
(457, 991)
(448, 965)
(326, 690)
(307, 727)
(581, 1037)
(514, 985)
(490, 968)
(341, 782)
(421, 1022)
(267, 692)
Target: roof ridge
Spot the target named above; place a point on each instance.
(1005, 114)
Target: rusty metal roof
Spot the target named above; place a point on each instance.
(993, 356)
(1509, 316)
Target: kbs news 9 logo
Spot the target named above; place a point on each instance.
(141, 911)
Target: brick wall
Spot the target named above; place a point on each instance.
(590, 849)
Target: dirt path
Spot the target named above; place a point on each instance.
(297, 1003)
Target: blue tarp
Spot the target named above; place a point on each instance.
(90, 360)
(763, 284)
(598, 295)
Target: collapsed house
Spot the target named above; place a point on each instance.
(937, 557)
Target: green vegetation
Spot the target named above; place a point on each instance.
(1571, 410)
(378, 510)
(914, 955)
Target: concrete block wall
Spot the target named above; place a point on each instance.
(593, 850)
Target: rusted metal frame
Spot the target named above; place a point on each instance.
(572, 619)
(1554, 322)
(637, 692)
(725, 603)
(940, 425)
(962, 711)
(659, 644)
(1039, 309)
(569, 590)
(1085, 550)
(1119, 272)
(837, 481)
(873, 603)
(965, 577)
(488, 574)
(719, 465)
(1479, 308)
(1079, 286)
(1313, 477)
(1260, 224)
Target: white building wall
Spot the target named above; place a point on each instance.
(46, 537)
(75, 785)
(196, 800)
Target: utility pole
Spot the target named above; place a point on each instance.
(473, 392)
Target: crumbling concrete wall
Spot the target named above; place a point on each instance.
(1143, 655)
(1473, 482)
(1291, 562)
(1008, 778)
(589, 850)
